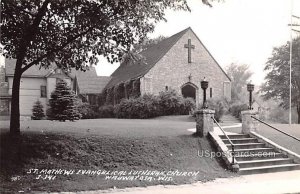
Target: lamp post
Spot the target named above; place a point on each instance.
(250, 88)
(204, 86)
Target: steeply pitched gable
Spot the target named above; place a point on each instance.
(152, 54)
(212, 56)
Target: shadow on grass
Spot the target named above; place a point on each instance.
(205, 144)
(16, 151)
(49, 150)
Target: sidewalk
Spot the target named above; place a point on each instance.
(219, 132)
(279, 182)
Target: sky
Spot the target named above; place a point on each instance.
(234, 31)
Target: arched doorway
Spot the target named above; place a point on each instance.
(189, 90)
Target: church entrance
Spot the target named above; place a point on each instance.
(189, 90)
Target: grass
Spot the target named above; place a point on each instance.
(161, 144)
(160, 126)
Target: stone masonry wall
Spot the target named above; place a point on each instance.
(173, 70)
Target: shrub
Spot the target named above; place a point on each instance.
(87, 111)
(153, 105)
(187, 105)
(170, 102)
(219, 106)
(106, 111)
(143, 107)
(63, 103)
(149, 106)
(49, 114)
(236, 109)
(38, 111)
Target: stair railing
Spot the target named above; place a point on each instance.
(276, 129)
(232, 145)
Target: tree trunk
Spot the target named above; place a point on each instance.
(15, 102)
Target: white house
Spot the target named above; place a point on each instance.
(38, 84)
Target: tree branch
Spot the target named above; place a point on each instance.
(19, 8)
(9, 11)
(39, 59)
(32, 30)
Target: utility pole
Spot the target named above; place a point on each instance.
(291, 56)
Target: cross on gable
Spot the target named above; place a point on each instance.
(190, 77)
(189, 46)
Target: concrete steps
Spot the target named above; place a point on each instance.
(241, 140)
(235, 136)
(246, 145)
(271, 168)
(264, 162)
(251, 151)
(259, 156)
(254, 157)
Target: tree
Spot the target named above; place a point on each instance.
(134, 55)
(38, 111)
(72, 33)
(277, 79)
(240, 75)
(63, 103)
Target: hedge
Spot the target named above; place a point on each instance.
(149, 106)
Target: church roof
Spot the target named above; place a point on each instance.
(152, 54)
(88, 82)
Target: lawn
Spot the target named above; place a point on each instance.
(162, 146)
(160, 126)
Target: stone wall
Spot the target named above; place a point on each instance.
(173, 70)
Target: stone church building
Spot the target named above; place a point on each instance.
(179, 62)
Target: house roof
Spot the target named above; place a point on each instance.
(34, 71)
(152, 54)
(88, 81)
